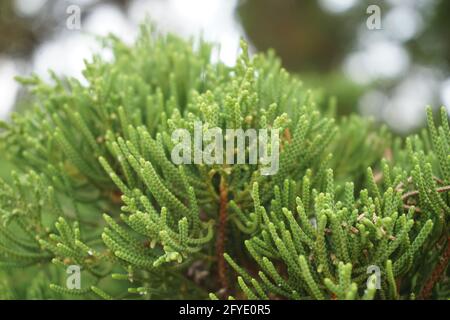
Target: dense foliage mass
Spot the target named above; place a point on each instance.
(95, 187)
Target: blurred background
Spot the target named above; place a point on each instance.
(390, 73)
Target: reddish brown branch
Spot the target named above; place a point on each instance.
(416, 192)
(221, 236)
(400, 186)
(286, 137)
(377, 177)
(437, 272)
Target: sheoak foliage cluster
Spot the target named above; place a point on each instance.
(95, 187)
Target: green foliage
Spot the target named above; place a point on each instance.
(95, 187)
